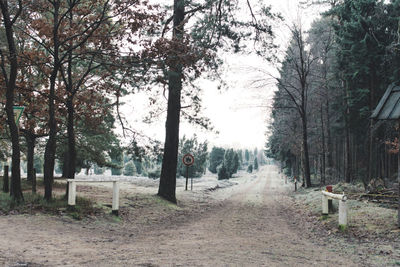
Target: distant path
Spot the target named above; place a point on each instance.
(248, 228)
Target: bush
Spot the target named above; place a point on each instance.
(216, 158)
(154, 173)
(250, 169)
(223, 173)
(255, 164)
(130, 169)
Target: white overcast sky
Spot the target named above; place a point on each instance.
(240, 114)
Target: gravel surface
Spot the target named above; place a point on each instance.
(246, 221)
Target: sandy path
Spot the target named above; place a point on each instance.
(242, 226)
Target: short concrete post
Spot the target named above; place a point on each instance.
(342, 213)
(71, 193)
(325, 209)
(115, 199)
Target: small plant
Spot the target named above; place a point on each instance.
(154, 174)
(342, 227)
(223, 173)
(250, 169)
(324, 217)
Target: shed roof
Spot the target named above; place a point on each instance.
(388, 107)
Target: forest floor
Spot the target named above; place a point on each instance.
(251, 220)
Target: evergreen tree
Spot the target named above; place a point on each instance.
(250, 168)
(198, 150)
(223, 172)
(247, 156)
(216, 158)
(256, 164)
(130, 169)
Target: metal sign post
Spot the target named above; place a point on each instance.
(188, 160)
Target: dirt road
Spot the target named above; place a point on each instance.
(242, 225)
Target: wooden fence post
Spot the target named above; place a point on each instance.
(71, 193)
(115, 199)
(325, 209)
(342, 213)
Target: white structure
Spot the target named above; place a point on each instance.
(72, 191)
(342, 206)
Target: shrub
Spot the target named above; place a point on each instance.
(223, 173)
(216, 158)
(129, 169)
(154, 173)
(250, 169)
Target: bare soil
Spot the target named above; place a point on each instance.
(247, 221)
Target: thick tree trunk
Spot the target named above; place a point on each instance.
(65, 165)
(15, 190)
(168, 172)
(50, 150)
(71, 162)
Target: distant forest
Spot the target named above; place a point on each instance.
(331, 80)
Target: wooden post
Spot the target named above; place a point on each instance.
(115, 199)
(342, 213)
(71, 193)
(325, 209)
(34, 181)
(6, 187)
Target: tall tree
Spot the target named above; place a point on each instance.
(193, 52)
(294, 82)
(168, 171)
(9, 79)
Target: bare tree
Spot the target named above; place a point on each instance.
(294, 82)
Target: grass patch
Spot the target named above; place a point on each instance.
(35, 203)
(324, 217)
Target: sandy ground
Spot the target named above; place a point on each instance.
(240, 222)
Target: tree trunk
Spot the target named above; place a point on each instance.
(30, 143)
(167, 184)
(329, 138)
(71, 162)
(348, 170)
(6, 181)
(34, 181)
(323, 167)
(307, 175)
(50, 151)
(15, 190)
(65, 165)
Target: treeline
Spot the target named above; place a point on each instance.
(331, 79)
(226, 162)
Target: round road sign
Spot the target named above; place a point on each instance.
(188, 159)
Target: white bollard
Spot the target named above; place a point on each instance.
(115, 199)
(325, 208)
(342, 213)
(71, 193)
